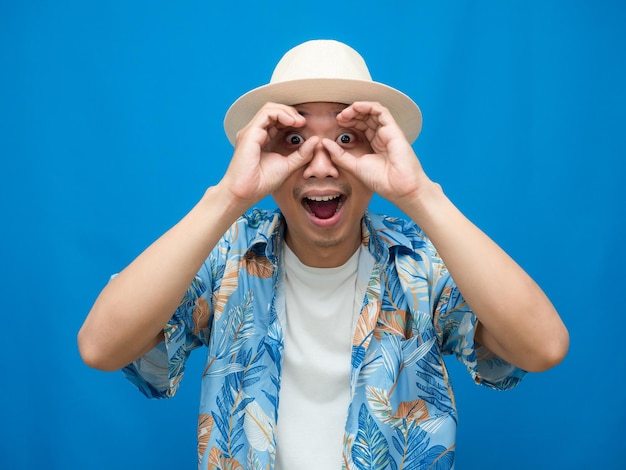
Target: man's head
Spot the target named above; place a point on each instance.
(322, 204)
(323, 71)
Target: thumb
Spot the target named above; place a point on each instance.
(303, 154)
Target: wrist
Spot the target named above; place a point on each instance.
(428, 205)
(222, 203)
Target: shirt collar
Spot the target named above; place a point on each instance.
(270, 227)
(381, 235)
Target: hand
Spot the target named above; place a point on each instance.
(517, 321)
(255, 170)
(392, 169)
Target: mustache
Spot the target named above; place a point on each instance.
(329, 186)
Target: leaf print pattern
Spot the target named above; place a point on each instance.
(218, 461)
(415, 275)
(230, 281)
(438, 394)
(362, 337)
(402, 413)
(256, 265)
(379, 402)
(395, 322)
(200, 315)
(412, 442)
(414, 410)
(254, 462)
(370, 449)
(258, 427)
(365, 325)
(237, 327)
(205, 426)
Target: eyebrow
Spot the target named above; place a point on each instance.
(305, 113)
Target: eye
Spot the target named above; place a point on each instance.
(294, 139)
(345, 138)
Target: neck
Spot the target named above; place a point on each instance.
(327, 254)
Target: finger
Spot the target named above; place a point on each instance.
(340, 157)
(266, 123)
(277, 115)
(366, 125)
(372, 113)
(274, 115)
(372, 108)
(297, 158)
(374, 119)
(303, 154)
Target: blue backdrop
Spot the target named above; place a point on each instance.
(111, 129)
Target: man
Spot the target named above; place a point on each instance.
(325, 324)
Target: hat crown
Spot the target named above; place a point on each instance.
(323, 70)
(321, 59)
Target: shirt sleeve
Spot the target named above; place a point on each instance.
(456, 326)
(158, 373)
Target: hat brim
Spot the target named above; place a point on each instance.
(404, 110)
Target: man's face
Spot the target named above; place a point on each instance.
(322, 204)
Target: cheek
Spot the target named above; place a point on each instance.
(280, 199)
(362, 197)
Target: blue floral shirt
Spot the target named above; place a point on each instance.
(402, 412)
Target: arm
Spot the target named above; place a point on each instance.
(128, 317)
(516, 319)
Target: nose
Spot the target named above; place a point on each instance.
(321, 165)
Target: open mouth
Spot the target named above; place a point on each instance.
(323, 207)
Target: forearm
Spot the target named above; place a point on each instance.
(129, 314)
(517, 320)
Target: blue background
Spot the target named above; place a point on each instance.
(111, 129)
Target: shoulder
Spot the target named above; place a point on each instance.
(256, 225)
(394, 231)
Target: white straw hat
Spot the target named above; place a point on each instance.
(323, 71)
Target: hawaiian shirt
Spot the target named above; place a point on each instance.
(402, 412)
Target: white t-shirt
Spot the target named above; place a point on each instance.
(322, 305)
